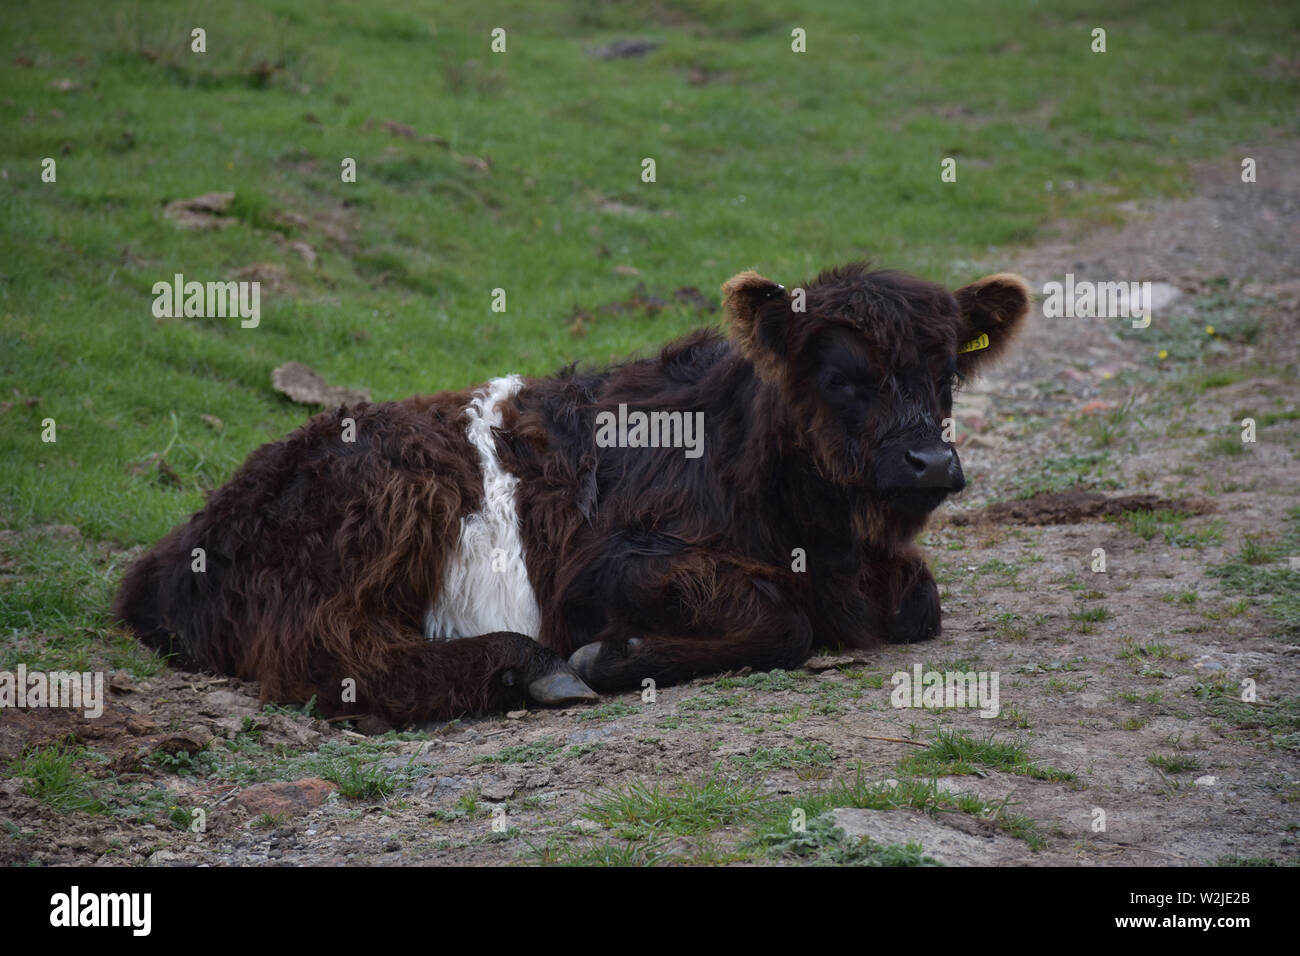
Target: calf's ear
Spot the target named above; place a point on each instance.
(759, 312)
(993, 310)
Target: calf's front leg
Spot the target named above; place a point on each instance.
(905, 598)
(699, 615)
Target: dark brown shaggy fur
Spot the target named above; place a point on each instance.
(822, 440)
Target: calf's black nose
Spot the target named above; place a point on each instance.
(933, 465)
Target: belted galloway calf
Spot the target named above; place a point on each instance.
(734, 501)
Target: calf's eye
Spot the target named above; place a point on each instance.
(837, 382)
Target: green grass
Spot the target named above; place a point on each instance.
(1274, 590)
(770, 681)
(1183, 334)
(1174, 763)
(554, 853)
(54, 607)
(1172, 527)
(689, 808)
(1274, 721)
(1091, 614)
(522, 173)
(1063, 472)
(822, 842)
(357, 781)
(1151, 650)
(54, 778)
(521, 753)
(1004, 573)
(803, 757)
(924, 796)
(640, 815)
(954, 753)
(614, 710)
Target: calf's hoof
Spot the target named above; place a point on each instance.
(918, 617)
(561, 687)
(586, 660)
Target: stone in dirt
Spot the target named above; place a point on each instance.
(835, 661)
(201, 212)
(631, 49)
(227, 703)
(304, 385)
(946, 845)
(281, 799)
(498, 790)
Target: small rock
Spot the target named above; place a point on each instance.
(228, 726)
(631, 49)
(201, 212)
(165, 858)
(938, 840)
(299, 734)
(225, 703)
(829, 661)
(497, 790)
(733, 750)
(304, 385)
(986, 441)
(538, 778)
(11, 787)
(1095, 406)
(1207, 781)
(437, 788)
(399, 129)
(1162, 293)
(303, 249)
(139, 725)
(278, 799)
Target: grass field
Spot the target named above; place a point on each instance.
(520, 171)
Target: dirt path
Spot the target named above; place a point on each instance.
(1123, 689)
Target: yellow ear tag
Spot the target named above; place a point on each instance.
(974, 345)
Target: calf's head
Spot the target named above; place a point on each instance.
(867, 362)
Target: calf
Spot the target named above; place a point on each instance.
(534, 539)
